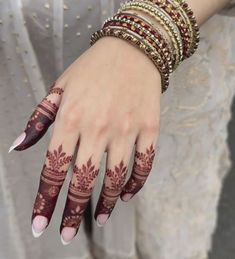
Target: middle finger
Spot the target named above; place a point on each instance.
(85, 172)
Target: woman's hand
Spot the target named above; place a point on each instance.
(106, 101)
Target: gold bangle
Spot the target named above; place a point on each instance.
(166, 54)
(193, 23)
(168, 25)
(160, 30)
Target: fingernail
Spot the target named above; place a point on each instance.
(39, 225)
(126, 196)
(101, 219)
(67, 235)
(17, 141)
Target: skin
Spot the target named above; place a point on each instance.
(107, 100)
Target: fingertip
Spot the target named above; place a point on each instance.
(17, 141)
(67, 235)
(126, 197)
(38, 225)
(101, 219)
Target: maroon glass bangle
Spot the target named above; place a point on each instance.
(165, 47)
(190, 39)
(125, 24)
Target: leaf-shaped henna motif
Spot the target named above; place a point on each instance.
(80, 189)
(52, 177)
(111, 189)
(141, 169)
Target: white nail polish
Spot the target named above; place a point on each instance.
(17, 141)
(36, 234)
(63, 241)
(101, 219)
(98, 224)
(126, 197)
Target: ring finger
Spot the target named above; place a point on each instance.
(118, 157)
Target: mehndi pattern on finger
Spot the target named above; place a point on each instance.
(80, 189)
(52, 177)
(42, 117)
(142, 166)
(111, 189)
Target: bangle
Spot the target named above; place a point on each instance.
(186, 22)
(145, 30)
(193, 22)
(146, 19)
(134, 39)
(169, 26)
(177, 21)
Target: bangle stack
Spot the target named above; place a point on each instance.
(176, 18)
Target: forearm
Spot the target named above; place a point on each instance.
(204, 9)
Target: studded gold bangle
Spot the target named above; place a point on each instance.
(181, 20)
(138, 41)
(193, 25)
(188, 28)
(168, 25)
(145, 31)
(150, 23)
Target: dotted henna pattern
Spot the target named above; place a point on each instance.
(80, 189)
(56, 90)
(52, 177)
(111, 189)
(141, 169)
(40, 120)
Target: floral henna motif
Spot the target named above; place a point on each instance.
(141, 169)
(111, 189)
(80, 189)
(56, 90)
(40, 120)
(52, 177)
(39, 204)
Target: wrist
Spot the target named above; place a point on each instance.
(126, 55)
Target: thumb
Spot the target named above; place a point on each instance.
(40, 120)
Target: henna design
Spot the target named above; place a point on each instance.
(80, 189)
(56, 90)
(52, 177)
(40, 120)
(111, 189)
(141, 169)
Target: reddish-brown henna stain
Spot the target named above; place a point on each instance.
(52, 177)
(40, 120)
(111, 189)
(141, 169)
(80, 189)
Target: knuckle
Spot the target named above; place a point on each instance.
(125, 126)
(100, 126)
(151, 125)
(69, 117)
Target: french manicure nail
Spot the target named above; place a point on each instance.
(101, 219)
(67, 235)
(39, 225)
(17, 141)
(126, 196)
(63, 241)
